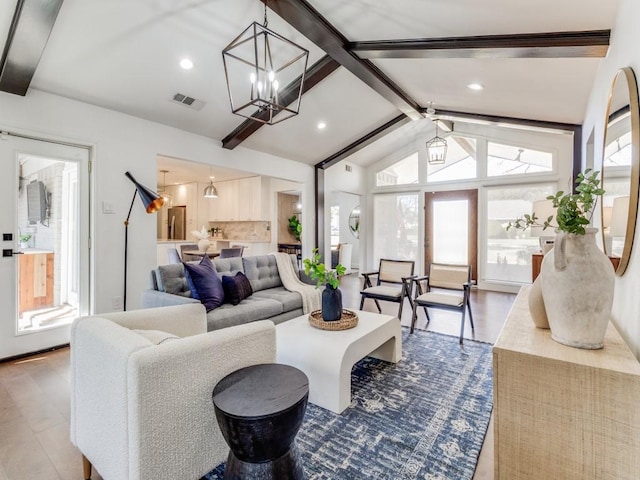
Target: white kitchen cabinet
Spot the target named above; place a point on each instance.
(245, 199)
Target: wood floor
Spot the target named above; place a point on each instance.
(34, 394)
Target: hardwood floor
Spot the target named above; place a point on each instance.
(34, 393)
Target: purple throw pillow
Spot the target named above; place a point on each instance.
(236, 288)
(204, 283)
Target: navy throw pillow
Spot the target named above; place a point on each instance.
(236, 288)
(204, 282)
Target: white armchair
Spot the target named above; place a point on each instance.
(141, 411)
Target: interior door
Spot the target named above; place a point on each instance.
(451, 228)
(44, 268)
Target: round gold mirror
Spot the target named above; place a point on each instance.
(621, 168)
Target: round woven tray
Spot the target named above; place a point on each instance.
(348, 320)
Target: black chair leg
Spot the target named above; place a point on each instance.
(400, 309)
(378, 305)
(426, 313)
(361, 301)
(470, 315)
(462, 327)
(414, 316)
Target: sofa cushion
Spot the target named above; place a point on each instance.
(156, 337)
(228, 266)
(236, 288)
(206, 283)
(171, 279)
(248, 310)
(289, 300)
(262, 272)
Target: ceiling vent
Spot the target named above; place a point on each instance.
(188, 101)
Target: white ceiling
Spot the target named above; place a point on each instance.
(124, 54)
(180, 171)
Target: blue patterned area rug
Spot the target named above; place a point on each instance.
(423, 418)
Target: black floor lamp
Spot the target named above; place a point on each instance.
(152, 203)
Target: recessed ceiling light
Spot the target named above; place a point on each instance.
(475, 86)
(322, 125)
(186, 63)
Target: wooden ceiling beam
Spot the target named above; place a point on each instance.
(29, 32)
(590, 43)
(314, 75)
(304, 18)
(363, 141)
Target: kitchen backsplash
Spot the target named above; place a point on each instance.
(254, 231)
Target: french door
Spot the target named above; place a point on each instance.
(44, 268)
(451, 228)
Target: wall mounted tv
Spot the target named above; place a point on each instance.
(37, 202)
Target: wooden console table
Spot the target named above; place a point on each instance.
(536, 263)
(563, 412)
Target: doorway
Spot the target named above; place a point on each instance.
(451, 228)
(45, 262)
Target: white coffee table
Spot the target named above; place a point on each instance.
(327, 357)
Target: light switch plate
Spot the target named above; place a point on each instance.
(107, 207)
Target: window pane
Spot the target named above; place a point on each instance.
(510, 160)
(403, 172)
(395, 226)
(450, 238)
(460, 162)
(618, 152)
(508, 255)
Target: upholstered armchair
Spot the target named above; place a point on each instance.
(141, 399)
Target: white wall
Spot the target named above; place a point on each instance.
(623, 52)
(122, 142)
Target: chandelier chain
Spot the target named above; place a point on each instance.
(266, 22)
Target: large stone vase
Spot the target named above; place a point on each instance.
(331, 304)
(577, 288)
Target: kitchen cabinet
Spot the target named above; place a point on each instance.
(562, 412)
(241, 200)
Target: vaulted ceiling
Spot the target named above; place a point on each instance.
(124, 55)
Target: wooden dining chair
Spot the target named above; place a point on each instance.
(184, 252)
(445, 286)
(231, 252)
(393, 283)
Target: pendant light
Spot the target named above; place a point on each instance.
(436, 149)
(265, 74)
(210, 190)
(168, 198)
(437, 146)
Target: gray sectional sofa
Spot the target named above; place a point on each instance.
(270, 300)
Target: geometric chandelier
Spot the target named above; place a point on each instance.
(258, 65)
(436, 149)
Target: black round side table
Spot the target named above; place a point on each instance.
(259, 410)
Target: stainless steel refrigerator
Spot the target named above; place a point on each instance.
(177, 223)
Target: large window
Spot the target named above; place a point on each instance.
(395, 226)
(508, 254)
(460, 163)
(404, 172)
(510, 160)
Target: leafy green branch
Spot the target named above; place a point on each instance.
(574, 210)
(319, 272)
